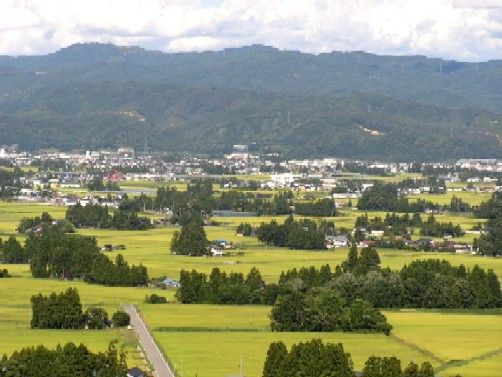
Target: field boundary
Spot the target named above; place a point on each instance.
(206, 329)
(414, 347)
(461, 363)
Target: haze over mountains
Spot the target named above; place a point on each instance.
(353, 105)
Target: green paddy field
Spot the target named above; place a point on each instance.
(208, 340)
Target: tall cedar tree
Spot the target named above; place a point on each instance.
(192, 240)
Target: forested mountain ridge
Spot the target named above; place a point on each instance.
(354, 105)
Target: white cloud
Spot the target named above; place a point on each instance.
(453, 29)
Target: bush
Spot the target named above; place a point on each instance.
(121, 319)
(155, 299)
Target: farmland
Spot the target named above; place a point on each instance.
(210, 340)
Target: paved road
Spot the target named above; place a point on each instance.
(152, 350)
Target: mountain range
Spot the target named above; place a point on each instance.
(342, 104)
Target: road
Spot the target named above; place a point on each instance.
(150, 347)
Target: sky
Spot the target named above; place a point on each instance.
(465, 30)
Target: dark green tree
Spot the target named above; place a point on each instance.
(192, 240)
(121, 319)
(276, 357)
(13, 252)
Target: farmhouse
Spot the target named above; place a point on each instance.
(336, 241)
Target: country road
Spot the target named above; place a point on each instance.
(150, 347)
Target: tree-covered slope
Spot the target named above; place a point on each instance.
(179, 118)
(354, 105)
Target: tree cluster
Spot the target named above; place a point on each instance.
(223, 288)
(433, 228)
(11, 251)
(265, 204)
(191, 240)
(245, 229)
(310, 359)
(97, 184)
(118, 274)
(67, 360)
(43, 223)
(10, 183)
(491, 209)
(323, 207)
(384, 197)
(314, 359)
(155, 299)
(362, 262)
(197, 197)
(58, 255)
(391, 367)
(64, 311)
(304, 234)
(458, 205)
(421, 284)
(490, 244)
(96, 216)
(325, 310)
(57, 311)
(392, 224)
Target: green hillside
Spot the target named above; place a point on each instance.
(354, 105)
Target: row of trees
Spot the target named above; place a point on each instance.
(118, 274)
(421, 284)
(97, 216)
(222, 288)
(323, 207)
(433, 228)
(394, 221)
(314, 358)
(67, 360)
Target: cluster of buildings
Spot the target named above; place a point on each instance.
(76, 169)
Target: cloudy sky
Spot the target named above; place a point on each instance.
(469, 30)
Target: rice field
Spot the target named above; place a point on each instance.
(209, 340)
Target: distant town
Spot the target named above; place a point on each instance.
(54, 169)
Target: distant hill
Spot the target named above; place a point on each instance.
(354, 105)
